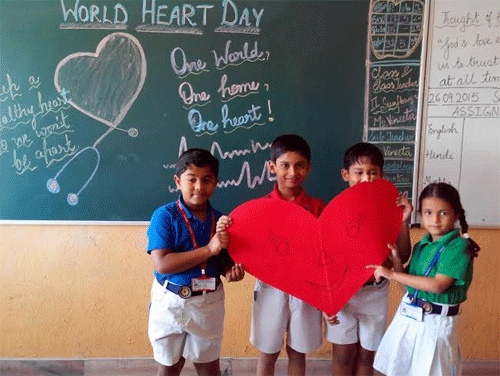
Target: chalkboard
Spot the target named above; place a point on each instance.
(461, 133)
(392, 99)
(98, 98)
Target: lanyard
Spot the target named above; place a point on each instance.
(191, 231)
(431, 265)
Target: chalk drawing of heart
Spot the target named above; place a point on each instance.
(104, 84)
(321, 261)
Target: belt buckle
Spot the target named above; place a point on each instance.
(427, 307)
(184, 292)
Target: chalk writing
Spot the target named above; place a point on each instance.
(237, 57)
(94, 13)
(187, 67)
(32, 126)
(9, 90)
(396, 29)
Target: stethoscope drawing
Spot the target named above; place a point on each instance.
(102, 85)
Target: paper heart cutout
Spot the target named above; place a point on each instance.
(104, 84)
(321, 261)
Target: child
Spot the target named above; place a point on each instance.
(422, 338)
(187, 298)
(275, 312)
(361, 323)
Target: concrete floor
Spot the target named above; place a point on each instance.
(147, 367)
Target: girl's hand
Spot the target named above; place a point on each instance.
(223, 223)
(380, 271)
(331, 320)
(407, 207)
(235, 273)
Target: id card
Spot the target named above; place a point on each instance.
(203, 284)
(412, 311)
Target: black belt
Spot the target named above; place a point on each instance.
(184, 291)
(373, 282)
(431, 308)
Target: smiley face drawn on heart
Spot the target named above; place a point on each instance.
(321, 261)
(104, 84)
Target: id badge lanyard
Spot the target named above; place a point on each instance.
(413, 298)
(203, 266)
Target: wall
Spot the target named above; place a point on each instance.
(82, 291)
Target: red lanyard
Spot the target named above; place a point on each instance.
(191, 231)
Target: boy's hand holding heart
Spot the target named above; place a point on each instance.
(321, 261)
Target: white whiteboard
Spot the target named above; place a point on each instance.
(460, 141)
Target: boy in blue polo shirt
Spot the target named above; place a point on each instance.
(187, 298)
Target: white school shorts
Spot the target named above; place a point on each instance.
(420, 348)
(275, 313)
(191, 328)
(362, 319)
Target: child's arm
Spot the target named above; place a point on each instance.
(331, 320)
(165, 261)
(436, 285)
(403, 242)
(233, 272)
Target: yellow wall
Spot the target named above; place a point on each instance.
(83, 291)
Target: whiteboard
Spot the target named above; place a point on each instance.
(460, 140)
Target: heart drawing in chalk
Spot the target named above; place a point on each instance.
(321, 261)
(104, 84)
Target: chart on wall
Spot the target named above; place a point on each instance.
(392, 98)
(462, 126)
(99, 98)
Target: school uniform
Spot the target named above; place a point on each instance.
(275, 313)
(363, 318)
(426, 344)
(179, 325)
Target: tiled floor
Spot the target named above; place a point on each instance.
(147, 367)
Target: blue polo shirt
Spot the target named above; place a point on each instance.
(167, 230)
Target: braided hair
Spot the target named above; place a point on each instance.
(448, 193)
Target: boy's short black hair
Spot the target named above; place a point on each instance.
(290, 142)
(363, 150)
(197, 157)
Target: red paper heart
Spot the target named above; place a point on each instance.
(321, 261)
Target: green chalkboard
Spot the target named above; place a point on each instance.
(395, 38)
(98, 98)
